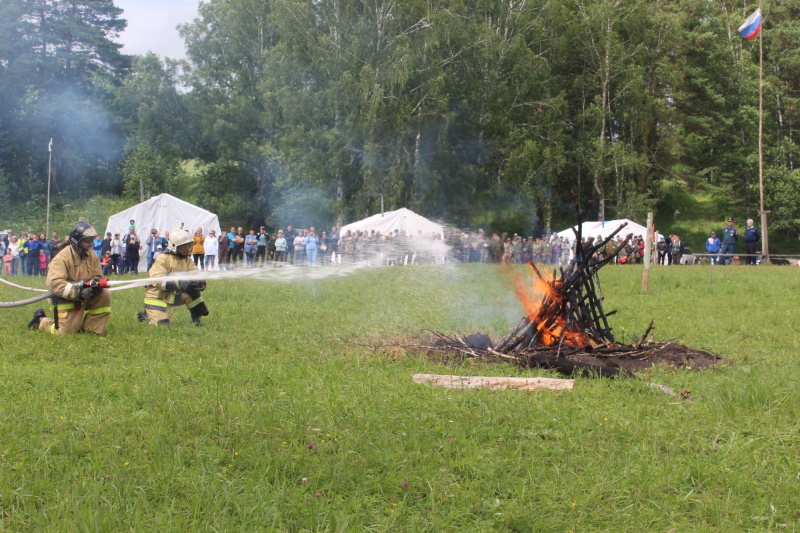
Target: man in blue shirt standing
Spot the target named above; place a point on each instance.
(751, 238)
(729, 238)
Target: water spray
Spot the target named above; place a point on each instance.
(284, 274)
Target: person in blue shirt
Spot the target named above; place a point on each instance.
(751, 238)
(280, 249)
(311, 243)
(34, 249)
(44, 254)
(97, 246)
(712, 247)
(152, 245)
(231, 234)
(250, 246)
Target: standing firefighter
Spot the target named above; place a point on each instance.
(161, 296)
(81, 300)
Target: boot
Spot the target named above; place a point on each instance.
(141, 316)
(38, 315)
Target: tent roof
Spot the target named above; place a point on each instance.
(605, 228)
(403, 220)
(164, 213)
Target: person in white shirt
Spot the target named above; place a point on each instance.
(211, 247)
(299, 248)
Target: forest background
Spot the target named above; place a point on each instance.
(483, 113)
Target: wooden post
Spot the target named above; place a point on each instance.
(648, 246)
(494, 383)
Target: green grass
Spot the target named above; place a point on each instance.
(214, 429)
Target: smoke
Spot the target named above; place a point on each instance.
(86, 139)
(303, 206)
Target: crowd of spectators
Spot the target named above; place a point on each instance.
(30, 254)
(120, 253)
(27, 254)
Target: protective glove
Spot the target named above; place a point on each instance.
(89, 289)
(185, 285)
(177, 286)
(198, 285)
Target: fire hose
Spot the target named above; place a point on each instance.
(103, 283)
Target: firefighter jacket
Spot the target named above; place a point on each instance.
(67, 269)
(165, 264)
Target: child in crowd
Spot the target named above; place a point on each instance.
(7, 259)
(43, 263)
(107, 263)
(159, 250)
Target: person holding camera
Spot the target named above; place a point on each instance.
(152, 245)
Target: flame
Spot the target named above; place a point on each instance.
(533, 293)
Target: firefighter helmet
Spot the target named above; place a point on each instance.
(177, 238)
(81, 230)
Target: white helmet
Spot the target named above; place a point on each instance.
(178, 237)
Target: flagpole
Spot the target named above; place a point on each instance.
(49, 173)
(765, 239)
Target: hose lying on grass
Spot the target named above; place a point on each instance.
(27, 301)
(115, 286)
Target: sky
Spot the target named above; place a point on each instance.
(152, 26)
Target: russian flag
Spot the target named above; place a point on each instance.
(752, 25)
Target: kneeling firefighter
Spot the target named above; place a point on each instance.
(161, 296)
(81, 298)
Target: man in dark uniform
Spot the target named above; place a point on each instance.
(751, 238)
(289, 235)
(106, 246)
(333, 244)
(729, 238)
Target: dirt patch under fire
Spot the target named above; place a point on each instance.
(667, 354)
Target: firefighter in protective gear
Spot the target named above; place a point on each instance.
(81, 301)
(161, 296)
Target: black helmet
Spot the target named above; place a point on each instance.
(81, 230)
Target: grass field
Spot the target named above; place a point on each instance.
(265, 420)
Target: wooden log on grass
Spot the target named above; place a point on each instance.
(494, 383)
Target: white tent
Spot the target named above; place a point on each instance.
(164, 213)
(604, 229)
(404, 220)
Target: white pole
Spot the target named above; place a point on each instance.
(764, 236)
(648, 245)
(49, 174)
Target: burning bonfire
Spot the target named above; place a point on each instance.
(566, 329)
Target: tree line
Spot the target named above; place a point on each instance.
(479, 113)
